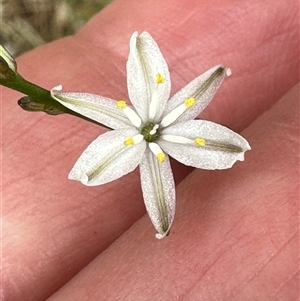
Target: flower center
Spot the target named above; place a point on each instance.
(150, 132)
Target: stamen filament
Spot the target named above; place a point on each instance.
(130, 113)
(177, 139)
(134, 140)
(177, 112)
(154, 103)
(184, 140)
(157, 151)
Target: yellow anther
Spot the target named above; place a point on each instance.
(159, 78)
(161, 157)
(200, 141)
(121, 104)
(129, 141)
(189, 102)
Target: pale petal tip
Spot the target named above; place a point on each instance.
(162, 235)
(246, 146)
(71, 176)
(82, 178)
(241, 158)
(145, 33)
(228, 71)
(133, 37)
(56, 89)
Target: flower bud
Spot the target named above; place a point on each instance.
(8, 66)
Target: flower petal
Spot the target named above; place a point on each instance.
(101, 109)
(212, 146)
(109, 157)
(148, 77)
(158, 191)
(7, 60)
(201, 90)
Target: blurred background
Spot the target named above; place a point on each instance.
(26, 24)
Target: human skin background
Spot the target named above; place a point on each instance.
(235, 235)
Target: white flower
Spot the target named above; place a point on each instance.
(152, 129)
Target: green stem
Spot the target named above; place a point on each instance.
(22, 85)
(38, 99)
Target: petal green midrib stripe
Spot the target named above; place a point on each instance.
(158, 186)
(144, 68)
(103, 110)
(215, 145)
(207, 83)
(99, 168)
(226, 147)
